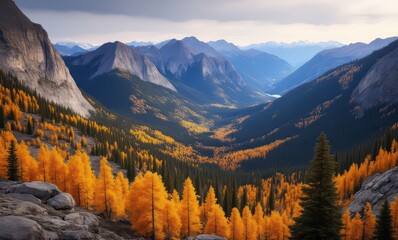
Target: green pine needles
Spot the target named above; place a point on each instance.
(321, 217)
(12, 163)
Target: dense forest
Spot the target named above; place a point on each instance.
(164, 187)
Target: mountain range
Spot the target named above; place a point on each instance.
(200, 73)
(295, 53)
(326, 60)
(259, 69)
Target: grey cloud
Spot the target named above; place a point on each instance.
(284, 12)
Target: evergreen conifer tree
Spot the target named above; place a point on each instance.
(384, 223)
(13, 163)
(321, 217)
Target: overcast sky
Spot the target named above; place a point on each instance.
(239, 21)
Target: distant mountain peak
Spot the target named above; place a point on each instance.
(118, 56)
(70, 44)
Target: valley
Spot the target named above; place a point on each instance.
(195, 139)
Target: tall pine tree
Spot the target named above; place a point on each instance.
(13, 163)
(384, 223)
(321, 217)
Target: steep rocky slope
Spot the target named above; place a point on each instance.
(375, 190)
(26, 52)
(380, 85)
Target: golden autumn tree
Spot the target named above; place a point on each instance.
(121, 190)
(44, 161)
(259, 218)
(27, 164)
(208, 203)
(104, 199)
(276, 225)
(217, 223)
(190, 213)
(250, 225)
(55, 167)
(81, 179)
(147, 201)
(356, 228)
(368, 223)
(89, 184)
(3, 159)
(172, 220)
(236, 225)
(346, 229)
(394, 213)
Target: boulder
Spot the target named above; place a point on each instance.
(41, 190)
(76, 235)
(25, 197)
(63, 201)
(18, 228)
(83, 218)
(374, 190)
(4, 185)
(27, 208)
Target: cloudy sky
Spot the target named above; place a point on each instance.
(239, 21)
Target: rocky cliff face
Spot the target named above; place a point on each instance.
(118, 56)
(375, 190)
(27, 53)
(380, 85)
(39, 210)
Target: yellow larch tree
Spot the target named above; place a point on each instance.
(81, 179)
(236, 225)
(75, 178)
(356, 228)
(3, 159)
(190, 213)
(55, 167)
(369, 222)
(121, 190)
(89, 181)
(207, 205)
(44, 161)
(259, 218)
(133, 197)
(250, 225)
(148, 198)
(267, 227)
(346, 229)
(394, 213)
(172, 220)
(217, 223)
(276, 225)
(26, 163)
(104, 199)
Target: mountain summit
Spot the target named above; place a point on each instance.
(27, 53)
(119, 56)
